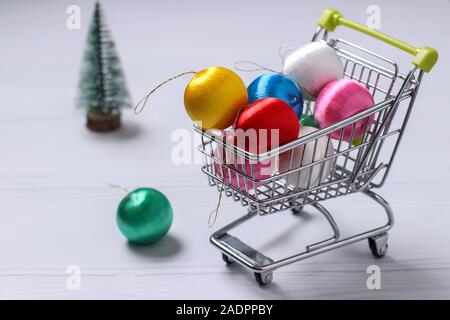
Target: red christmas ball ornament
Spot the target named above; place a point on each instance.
(265, 124)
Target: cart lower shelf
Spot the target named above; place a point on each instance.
(234, 250)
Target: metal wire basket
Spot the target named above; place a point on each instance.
(351, 165)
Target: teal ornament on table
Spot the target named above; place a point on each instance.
(275, 85)
(144, 216)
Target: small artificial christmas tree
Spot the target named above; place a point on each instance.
(102, 89)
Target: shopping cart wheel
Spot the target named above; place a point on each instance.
(263, 278)
(378, 245)
(226, 259)
(297, 211)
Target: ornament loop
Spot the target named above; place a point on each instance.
(283, 51)
(258, 67)
(118, 186)
(141, 104)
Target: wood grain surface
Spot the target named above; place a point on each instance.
(57, 210)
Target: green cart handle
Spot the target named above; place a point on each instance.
(424, 58)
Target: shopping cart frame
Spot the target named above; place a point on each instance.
(355, 164)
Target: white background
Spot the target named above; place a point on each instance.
(56, 208)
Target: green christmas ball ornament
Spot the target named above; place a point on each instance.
(144, 216)
(309, 121)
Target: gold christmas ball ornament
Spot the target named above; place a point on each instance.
(214, 97)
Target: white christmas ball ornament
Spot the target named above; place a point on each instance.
(305, 155)
(313, 66)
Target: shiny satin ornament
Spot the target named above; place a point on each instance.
(263, 116)
(309, 121)
(144, 216)
(214, 97)
(240, 181)
(313, 66)
(304, 155)
(341, 99)
(276, 85)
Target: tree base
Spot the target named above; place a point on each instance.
(99, 123)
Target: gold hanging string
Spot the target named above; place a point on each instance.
(213, 213)
(118, 186)
(141, 104)
(258, 67)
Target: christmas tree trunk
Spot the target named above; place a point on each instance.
(103, 90)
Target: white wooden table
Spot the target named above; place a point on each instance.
(57, 210)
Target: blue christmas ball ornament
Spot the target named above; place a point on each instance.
(275, 85)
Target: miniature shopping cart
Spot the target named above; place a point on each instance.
(358, 165)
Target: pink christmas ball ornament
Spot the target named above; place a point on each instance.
(339, 100)
(244, 168)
